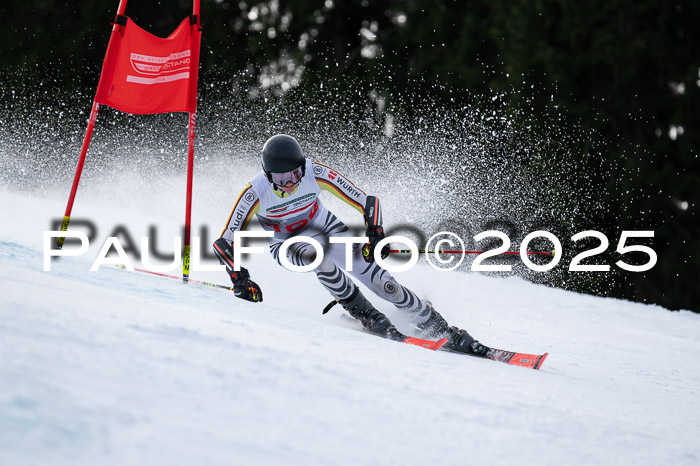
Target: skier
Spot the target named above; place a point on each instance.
(285, 197)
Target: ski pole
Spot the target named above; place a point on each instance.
(431, 251)
(196, 282)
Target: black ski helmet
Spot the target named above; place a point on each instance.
(282, 154)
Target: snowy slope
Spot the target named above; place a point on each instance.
(121, 368)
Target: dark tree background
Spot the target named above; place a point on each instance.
(628, 71)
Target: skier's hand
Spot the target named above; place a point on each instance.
(248, 290)
(375, 235)
(244, 287)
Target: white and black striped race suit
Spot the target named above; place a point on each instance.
(302, 212)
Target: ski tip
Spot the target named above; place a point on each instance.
(540, 360)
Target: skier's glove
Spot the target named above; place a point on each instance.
(375, 232)
(245, 288)
(375, 235)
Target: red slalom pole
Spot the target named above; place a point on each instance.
(88, 133)
(78, 171)
(195, 32)
(188, 202)
(421, 251)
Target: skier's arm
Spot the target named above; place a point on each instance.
(245, 207)
(375, 231)
(342, 188)
(336, 184)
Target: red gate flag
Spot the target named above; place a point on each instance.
(143, 73)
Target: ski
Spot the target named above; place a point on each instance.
(429, 344)
(399, 337)
(394, 335)
(532, 361)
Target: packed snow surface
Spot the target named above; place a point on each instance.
(116, 367)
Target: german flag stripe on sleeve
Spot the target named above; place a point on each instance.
(248, 189)
(336, 171)
(328, 186)
(249, 217)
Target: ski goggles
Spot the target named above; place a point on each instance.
(281, 179)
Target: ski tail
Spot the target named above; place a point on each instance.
(395, 335)
(429, 344)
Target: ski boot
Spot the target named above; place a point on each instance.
(457, 339)
(373, 320)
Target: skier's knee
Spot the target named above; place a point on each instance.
(299, 255)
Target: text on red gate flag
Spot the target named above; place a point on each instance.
(143, 73)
